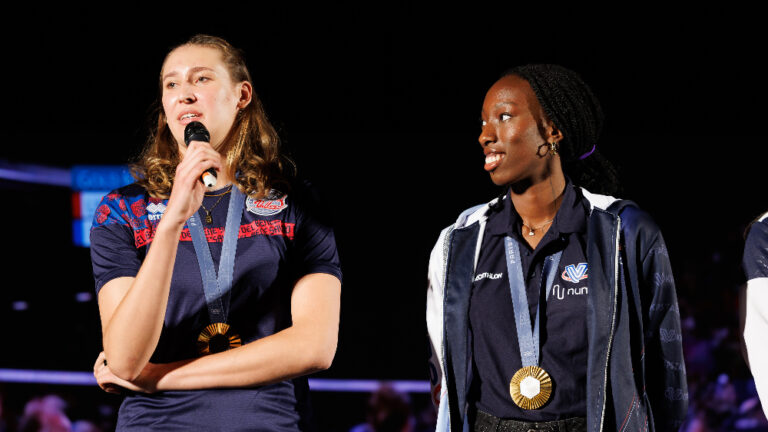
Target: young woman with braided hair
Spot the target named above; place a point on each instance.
(552, 307)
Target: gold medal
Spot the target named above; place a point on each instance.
(530, 387)
(217, 337)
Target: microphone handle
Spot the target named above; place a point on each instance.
(196, 131)
(208, 178)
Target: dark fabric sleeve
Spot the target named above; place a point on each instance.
(315, 247)
(755, 261)
(113, 251)
(666, 385)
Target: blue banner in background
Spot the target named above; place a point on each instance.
(81, 227)
(100, 177)
(91, 183)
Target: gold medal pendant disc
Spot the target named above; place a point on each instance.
(530, 387)
(217, 337)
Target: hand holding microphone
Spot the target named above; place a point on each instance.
(196, 131)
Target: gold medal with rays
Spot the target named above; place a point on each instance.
(217, 337)
(530, 387)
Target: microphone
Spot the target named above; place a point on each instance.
(196, 131)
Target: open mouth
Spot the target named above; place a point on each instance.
(493, 160)
(189, 117)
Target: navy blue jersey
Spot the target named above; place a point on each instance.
(279, 241)
(563, 327)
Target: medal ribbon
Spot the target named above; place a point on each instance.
(527, 339)
(217, 288)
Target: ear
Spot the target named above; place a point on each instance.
(246, 94)
(553, 134)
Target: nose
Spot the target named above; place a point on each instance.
(187, 95)
(487, 135)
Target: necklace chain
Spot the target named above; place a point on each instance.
(208, 217)
(532, 229)
(229, 189)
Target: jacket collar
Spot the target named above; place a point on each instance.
(479, 213)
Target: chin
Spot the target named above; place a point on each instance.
(499, 179)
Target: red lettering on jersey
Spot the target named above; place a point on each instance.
(143, 236)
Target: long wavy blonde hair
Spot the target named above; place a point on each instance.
(252, 146)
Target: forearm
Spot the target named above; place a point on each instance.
(133, 330)
(287, 354)
(306, 346)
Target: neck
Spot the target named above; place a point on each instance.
(538, 202)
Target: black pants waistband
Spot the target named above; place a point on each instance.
(485, 422)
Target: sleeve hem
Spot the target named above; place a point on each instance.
(114, 275)
(326, 269)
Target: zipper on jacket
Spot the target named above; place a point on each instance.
(613, 320)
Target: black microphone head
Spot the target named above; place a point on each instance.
(196, 131)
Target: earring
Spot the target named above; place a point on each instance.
(553, 148)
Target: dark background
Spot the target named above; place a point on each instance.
(380, 108)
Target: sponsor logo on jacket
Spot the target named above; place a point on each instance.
(575, 272)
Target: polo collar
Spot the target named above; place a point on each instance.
(571, 217)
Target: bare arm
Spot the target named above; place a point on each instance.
(307, 346)
(133, 309)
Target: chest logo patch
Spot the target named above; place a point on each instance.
(155, 210)
(487, 275)
(266, 207)
(575, 272)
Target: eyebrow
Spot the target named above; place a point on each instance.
(500, 104)
(505, 103)
(193, 70)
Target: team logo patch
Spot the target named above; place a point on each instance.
(266, 207)
(575, 272)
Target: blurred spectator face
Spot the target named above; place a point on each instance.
(45, 414)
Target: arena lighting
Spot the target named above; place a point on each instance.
(27, 376)
(83, 297)
(40, 174)
(20, 305)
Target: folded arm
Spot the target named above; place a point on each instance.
(307, 346)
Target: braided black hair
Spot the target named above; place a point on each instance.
(574, 110)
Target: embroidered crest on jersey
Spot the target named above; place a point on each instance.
(155, 210)
(267, 207)
(575, 272)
